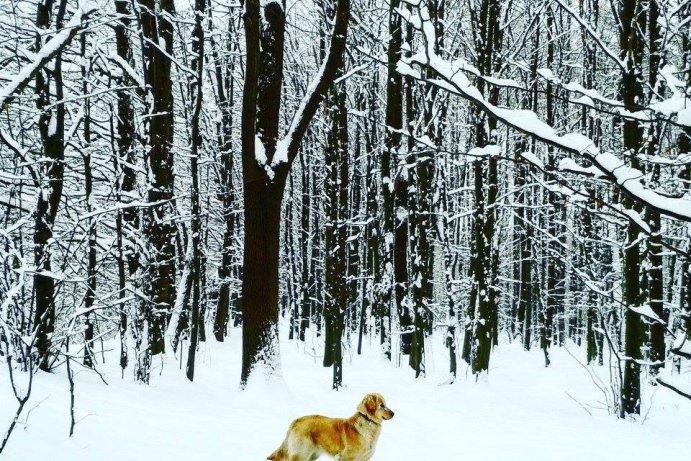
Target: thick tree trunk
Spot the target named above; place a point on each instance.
(260, 284)
(588, 9)
(480, 328)
(264, 175)
(316, 282)
(126, 135)
(262, 195)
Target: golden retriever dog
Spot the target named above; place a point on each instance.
(346, 439)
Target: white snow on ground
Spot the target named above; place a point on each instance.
(520, 411)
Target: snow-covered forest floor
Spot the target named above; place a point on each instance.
(520, 411)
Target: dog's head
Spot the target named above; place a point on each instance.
(374, 407)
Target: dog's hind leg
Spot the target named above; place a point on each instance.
(279, 454)
(276, 456)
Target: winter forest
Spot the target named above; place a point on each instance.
(219, 215)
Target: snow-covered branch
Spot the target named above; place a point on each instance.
(451, 78)
(594, 35)
(287, 147)
(56, 44)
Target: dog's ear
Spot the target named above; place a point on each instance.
(368, 405)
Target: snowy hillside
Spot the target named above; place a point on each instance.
(519, 411)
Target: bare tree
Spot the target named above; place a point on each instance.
(266, 164)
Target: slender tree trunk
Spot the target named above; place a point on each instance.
(654, 243)
(485, 260)
(127, 219)
(554, 299)
(394, 123)
(157, 32)
(316, 260)
(684, 146)
(591, 313)
(225, 96)
(544, 313)
(51, 125)
(372, 209)
(631, 92)
(444, 231)
(524, 242)
(196, 92)
(89, 325)
(335, 252)
(305, 235)
(290, 304)
(588, 9)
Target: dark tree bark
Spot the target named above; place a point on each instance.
(157, 33)
(444, 230)
(527, 301)
(122, 273)
(316, 282)
(126, 136)
(400, 247)
(291, 299)
(554, 265)
(265, 175)
(591, 248)
(225, 100)
(391, 260)
(632, 20)
(484, 293)
(89, 324)
(262, 195)
(654, 244)
(305, 204)
(196, 87)
(524, 242)
(591, 313)
(51, 125)
(336, 234)
(421, 222)
(372, 209)
(128, 219)
(684, 146)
